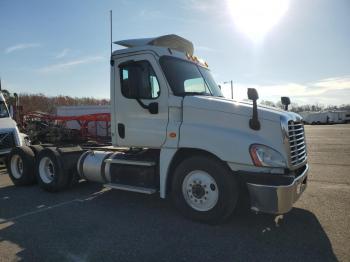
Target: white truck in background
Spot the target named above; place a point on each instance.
(316, 118)
(9, 133)
(173, 133)
(326, 117)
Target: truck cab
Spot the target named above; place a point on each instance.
(9, 133)
(163, 97)
(174, 133)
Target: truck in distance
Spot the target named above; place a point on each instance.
(173, 133)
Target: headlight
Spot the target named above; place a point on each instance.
(266, 156)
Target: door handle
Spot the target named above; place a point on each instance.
(121, 130)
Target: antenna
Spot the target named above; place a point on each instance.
(111, 25)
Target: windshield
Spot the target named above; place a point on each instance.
(186, 78)
(3, 110)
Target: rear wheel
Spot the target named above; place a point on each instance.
(20, 166)
(204, 189)
(51, 174)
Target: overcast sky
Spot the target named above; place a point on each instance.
(62, 47)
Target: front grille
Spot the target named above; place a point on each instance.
(7, 140)
(297, 144)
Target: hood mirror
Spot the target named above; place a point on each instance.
(253, 94)
(254, 121)
(285, 100)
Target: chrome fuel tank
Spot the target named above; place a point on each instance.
(93, 167)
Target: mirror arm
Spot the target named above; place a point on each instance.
(142, 104)
(254, 122)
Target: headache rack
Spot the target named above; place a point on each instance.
(296, 136)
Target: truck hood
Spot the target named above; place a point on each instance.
(225, 105)
(7, 123)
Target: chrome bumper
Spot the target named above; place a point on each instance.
(277, 199)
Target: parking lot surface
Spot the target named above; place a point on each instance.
(91, 223)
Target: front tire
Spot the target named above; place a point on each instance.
(204, 189)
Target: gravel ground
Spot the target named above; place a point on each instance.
(90, 223)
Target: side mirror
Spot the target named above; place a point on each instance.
(285, 100)
(153, 108)
(253, 94)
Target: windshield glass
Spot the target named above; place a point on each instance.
(3, 110)
(186, 78)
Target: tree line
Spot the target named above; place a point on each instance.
(49, 104)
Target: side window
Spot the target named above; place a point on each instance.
(196, 85)
(138, 80)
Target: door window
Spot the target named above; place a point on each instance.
(138, 80)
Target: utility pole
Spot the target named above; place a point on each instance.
(231, 82)
(111, 29)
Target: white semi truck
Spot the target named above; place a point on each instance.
(9, 133)
(173, 133)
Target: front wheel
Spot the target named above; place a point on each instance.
(204, 189)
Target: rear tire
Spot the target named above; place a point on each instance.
(51, 174)
(204, 189)
(20, 166)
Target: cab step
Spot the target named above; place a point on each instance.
(138, 189)
(130, 162)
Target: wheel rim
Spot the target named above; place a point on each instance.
(200, 190)
(46, 170)
(17, 166)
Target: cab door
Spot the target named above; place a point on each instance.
(140, 102)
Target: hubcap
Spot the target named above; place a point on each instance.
(46, 170)
(200, 190)
(17, 166)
